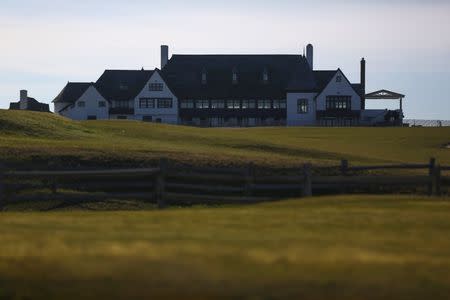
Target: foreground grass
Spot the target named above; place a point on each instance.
(347, 247)
(26, 136)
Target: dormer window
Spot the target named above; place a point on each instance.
(204, 79)
(265, 75)
(123, 87)
(235, 76)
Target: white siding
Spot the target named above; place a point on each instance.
(294, 118)
(91, 97)
(335, 88)
(167, 115)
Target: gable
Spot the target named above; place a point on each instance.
(342, 86)
(122, 84)
(156, 78)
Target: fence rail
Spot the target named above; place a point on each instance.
(168, 184)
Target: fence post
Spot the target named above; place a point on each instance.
(2, 187)
(161, 183)
(430, 173)
(436, 181)
(249, 179)
(307, 184)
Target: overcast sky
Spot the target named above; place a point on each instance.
(44, 44)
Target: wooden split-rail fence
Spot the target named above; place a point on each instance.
(169, 184)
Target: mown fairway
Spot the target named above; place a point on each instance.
(27, 135)
(347, 247)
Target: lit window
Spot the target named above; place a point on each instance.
(279, 104)
(264, 104)
(202, 104)
(230, 104)
(339, 103)
(155, 86)
(81, 104)
(302, 106)
(217, 104)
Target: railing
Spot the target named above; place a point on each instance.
(169, 184)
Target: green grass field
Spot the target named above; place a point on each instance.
(28, 136)
(346, 247)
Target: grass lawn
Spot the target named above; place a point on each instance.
(346, 247)
(28, 135)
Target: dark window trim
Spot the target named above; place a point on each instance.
(162, 101)
(156, 86)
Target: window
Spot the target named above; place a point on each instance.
(123, 87)
(92, 117)
(339, 103)
(122, 117)
(165, 103)
(235, 76)
(279, 104)
(121, 103)
(204, 79)
(302, 106)
(233, 104)
(202, 104)
(147, 118)
(187, 104)
(156, 86)
(264, 104)
(217, 104)
(101, 104)
(81, 104)
(339, 78)
(146, 103)
(265, 75)
(244, 104)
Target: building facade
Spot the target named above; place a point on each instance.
(223, 90)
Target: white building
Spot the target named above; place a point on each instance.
(225, 90)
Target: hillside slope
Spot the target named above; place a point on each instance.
(36, 136)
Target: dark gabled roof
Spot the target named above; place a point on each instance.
(32, 105)
(72, 92)
(122, 84)
(358, 88)
(322, 78)
(183, 73)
